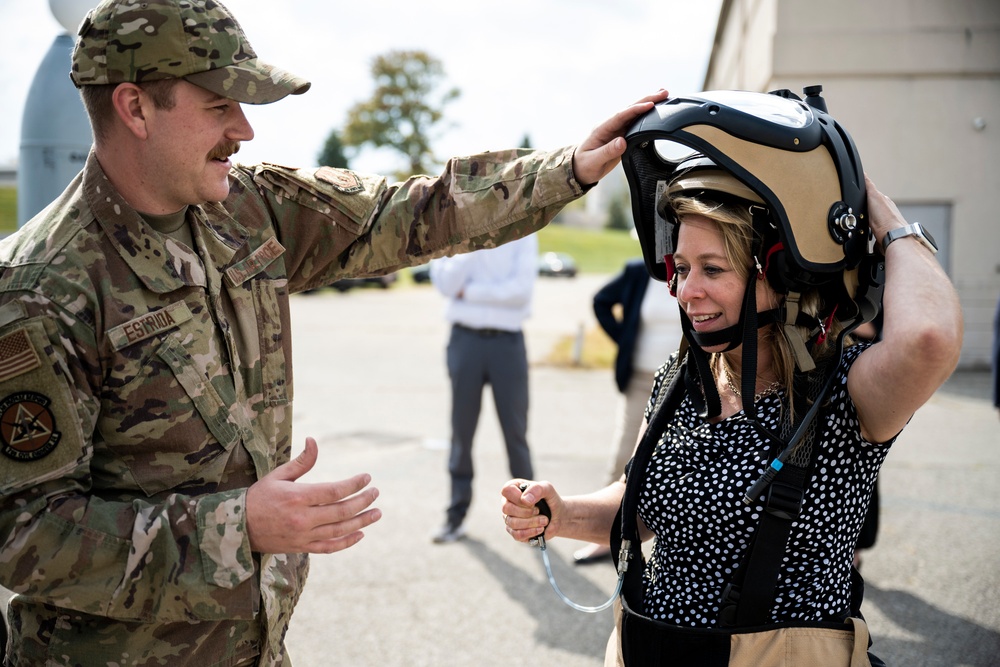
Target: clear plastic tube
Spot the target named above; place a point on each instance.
(562, 596)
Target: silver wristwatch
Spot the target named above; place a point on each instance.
(915, 230)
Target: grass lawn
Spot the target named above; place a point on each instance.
(595, 251)
(595, 350)
(8, 210)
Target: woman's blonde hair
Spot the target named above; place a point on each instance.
(735, 222)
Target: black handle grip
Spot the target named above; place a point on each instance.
(543, 508)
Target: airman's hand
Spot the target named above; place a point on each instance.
(603, 149)
(288, 516)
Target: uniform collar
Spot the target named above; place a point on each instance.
(159, 262)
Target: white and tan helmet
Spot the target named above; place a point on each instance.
(777, 152)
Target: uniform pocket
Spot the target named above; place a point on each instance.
(167, 423)
(268, 297)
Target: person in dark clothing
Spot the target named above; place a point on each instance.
(996, 358)
(646, 331)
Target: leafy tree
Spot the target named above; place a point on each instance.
(332, 154)
(403, 110)
(618, 217)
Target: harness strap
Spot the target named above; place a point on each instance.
(626, 543)
(782, 506)
(748, 351)
(747, 599)
(803, 359)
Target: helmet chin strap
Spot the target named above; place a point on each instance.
(744, 332)
(789, 316)
(793, 318)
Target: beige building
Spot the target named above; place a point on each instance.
(917, 84)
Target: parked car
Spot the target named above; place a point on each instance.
(422, 273)
(556, 264)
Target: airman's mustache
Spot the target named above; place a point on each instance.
(223, 151)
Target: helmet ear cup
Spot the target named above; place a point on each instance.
(785, 275)
(776, 269)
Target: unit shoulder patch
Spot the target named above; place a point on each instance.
(27, 426)
(342, 179)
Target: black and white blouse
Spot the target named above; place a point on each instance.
(692, 500)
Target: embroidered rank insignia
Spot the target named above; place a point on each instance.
(17, 355)
(342, 179)
(27, 427)
(258, 260)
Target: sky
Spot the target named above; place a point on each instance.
(547, 69)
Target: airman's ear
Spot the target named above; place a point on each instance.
(129, 103)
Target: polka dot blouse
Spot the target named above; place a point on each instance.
(692, 500)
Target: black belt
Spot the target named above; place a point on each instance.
(485, 333)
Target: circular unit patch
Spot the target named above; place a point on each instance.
(27, 427)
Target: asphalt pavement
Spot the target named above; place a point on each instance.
(371, 386)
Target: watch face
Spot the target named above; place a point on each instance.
(922, 231)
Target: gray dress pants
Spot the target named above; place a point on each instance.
(477, 357)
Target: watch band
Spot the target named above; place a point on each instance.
(915, 230)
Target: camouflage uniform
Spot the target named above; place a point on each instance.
(145, 385)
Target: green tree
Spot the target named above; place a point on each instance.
(404, 109)
(332, 154)
(618, 217)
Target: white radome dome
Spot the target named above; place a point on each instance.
(70, 13)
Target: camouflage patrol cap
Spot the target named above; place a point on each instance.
(197, 40)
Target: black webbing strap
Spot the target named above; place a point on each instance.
(626, 524)
(696, 373)
(747, 599)
(748, 383)
(748, 604)
(748, 350)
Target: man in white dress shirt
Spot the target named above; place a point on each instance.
(489, 294)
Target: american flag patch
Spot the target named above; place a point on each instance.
(17, 355)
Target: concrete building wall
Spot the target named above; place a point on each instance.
(917, 84)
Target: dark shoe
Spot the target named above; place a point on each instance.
(592, 553)
(449, 534)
